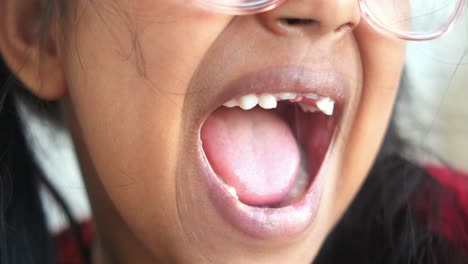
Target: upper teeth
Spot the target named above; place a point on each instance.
(270, 101)
(286, 96)
(326, 105)
(248, 102)
(267, 101)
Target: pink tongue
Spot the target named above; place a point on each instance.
(253, 151)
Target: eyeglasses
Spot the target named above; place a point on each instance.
(404, 19)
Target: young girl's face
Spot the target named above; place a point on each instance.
(145, 85)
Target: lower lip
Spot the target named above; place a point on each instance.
(265, 223)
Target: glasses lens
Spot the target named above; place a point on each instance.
(239, 7)
(414, 17)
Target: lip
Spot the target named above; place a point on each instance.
(271, 223)
(298, 79)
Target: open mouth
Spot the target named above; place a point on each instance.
(265, 152)
(267, 148)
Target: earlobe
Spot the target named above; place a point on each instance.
(34, 62)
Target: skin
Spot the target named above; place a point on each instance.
(134, 78)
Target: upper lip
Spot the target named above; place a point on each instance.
(298, 79)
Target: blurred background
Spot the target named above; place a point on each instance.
(433, 111)
(432, 115)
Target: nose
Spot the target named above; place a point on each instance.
(312, 17)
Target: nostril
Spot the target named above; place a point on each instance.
(301, 25)
(290, 21)
(345, 28)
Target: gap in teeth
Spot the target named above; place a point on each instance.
(307, 102)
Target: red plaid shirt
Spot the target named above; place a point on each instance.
(67, 250)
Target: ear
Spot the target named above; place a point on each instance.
(35, 63)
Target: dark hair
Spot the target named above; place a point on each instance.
(22, 223)
(381, 225)
(24, 236)
(386, 224)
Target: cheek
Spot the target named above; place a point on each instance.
(126, 87)
(382, 60)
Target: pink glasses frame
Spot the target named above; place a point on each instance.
(378, 26)
(241, 8)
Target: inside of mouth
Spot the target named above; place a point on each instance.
(267, 158)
